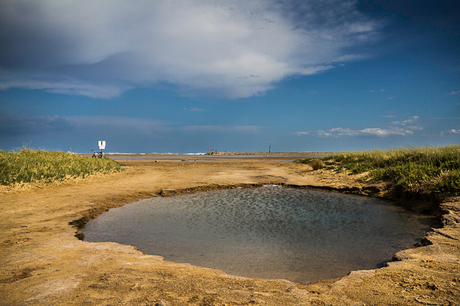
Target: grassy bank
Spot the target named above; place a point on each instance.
(31, 166)
(430, 171)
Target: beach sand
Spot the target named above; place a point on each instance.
(44, 263)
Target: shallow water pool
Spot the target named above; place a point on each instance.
(269, 232)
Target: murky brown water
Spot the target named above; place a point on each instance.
(268, 232)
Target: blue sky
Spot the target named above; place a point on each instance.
(184, 76)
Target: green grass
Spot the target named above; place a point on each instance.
(433, 171)
(36, 166)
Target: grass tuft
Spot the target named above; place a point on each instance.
(32, 166)
(317, 164)
(433, 171)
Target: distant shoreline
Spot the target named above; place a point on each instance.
(224, 153)
(215, 157)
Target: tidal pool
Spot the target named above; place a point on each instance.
(269, 232)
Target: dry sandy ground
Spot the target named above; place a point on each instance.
(43, 263)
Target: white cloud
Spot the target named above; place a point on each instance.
(64, 85)
(302, 133)
(252, 129)
(451, 132)
(411, 120)
(233, 49)
(195, 109)
(392, 130)
(453, 93)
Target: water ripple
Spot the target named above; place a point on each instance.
(269, 232)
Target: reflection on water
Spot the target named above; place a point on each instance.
(269, 232)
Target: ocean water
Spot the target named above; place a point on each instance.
(269, 232)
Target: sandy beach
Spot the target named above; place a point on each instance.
(43, 261)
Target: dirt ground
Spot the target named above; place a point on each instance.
(44, 263)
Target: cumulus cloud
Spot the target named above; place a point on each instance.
(451, 132)
(232, 49)
(396, 128)
(411, 120)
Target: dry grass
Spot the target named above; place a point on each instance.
(33, 166)
(433, 171)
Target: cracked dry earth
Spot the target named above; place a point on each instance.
(44, 263)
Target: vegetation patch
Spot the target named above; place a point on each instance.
(37, 166)
(317, 164)
(432, 171)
